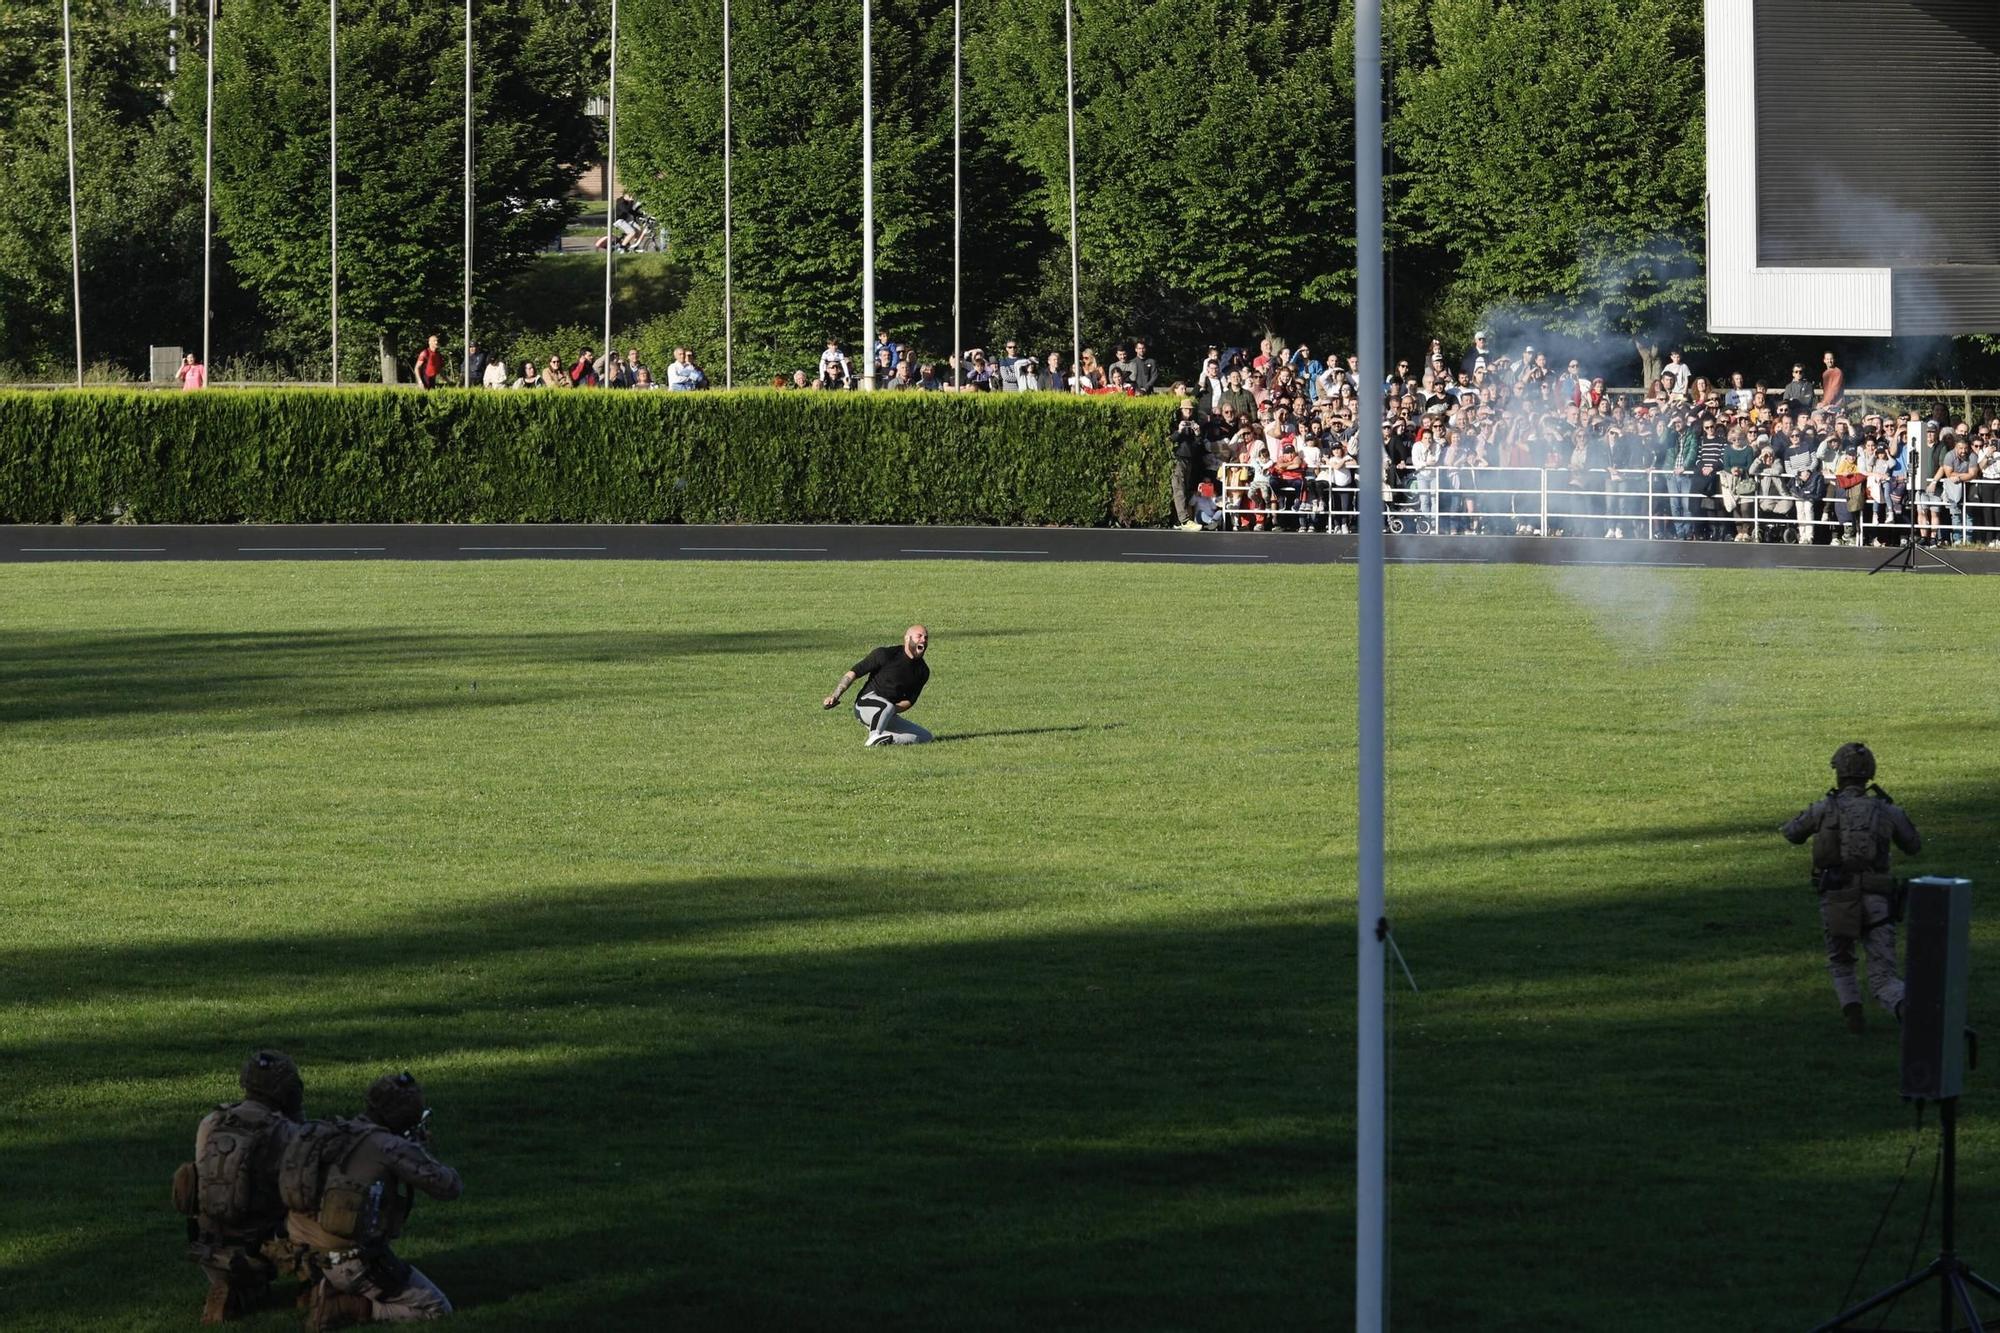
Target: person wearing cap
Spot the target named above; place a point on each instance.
(1853, 829)
(1479, 357)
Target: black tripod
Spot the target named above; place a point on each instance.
(1953, 1275)
(1904, 557)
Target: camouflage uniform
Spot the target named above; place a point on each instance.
(383, 1168)
(236, 1222)
(1854, 828)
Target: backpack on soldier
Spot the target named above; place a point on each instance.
(311, 1178)
(235, 1173)
(1860, 819)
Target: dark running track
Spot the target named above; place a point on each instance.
(29, 544)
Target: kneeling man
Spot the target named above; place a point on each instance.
(892, 677)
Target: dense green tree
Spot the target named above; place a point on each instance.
(1214, 147)
(797, 169)
(1553, 150)
(401, 157)
(138, 224)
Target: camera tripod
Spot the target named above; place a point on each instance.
(1955, 1278)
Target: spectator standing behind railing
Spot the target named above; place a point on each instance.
(1954, 472)
(1988, 488)
(1773, 497)
(1708, 469)
(192, 373)
(1832, 385)
(1799, 395)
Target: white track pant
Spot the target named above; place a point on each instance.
(879, 715)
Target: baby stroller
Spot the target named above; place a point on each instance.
(1403, 514)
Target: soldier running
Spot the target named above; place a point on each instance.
(229, 1192)
(349, 1186)
(1853, 828)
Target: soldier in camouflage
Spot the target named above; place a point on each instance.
(229, 1193)
(1853, 828)
(349, 1186)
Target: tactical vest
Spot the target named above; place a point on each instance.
(314, 1178)
(1853, 835)
(236, 1171)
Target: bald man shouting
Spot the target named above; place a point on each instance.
(892, 677)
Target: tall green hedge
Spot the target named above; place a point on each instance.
(554, 456)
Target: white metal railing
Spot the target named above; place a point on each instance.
(1647, 505)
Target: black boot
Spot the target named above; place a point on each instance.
(1857, 1023)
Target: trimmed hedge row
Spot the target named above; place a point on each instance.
(371, 455)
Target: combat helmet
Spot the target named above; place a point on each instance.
(395, 1102)
(270, 1077)
(1854, 763)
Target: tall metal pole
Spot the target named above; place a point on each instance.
(333, 176)
(75, 253)
(729, 275)
(867, 197)
(957, 189)
(465, 370)
(1371, 921)
(208, 196)
(1075, 299)
(610, 177)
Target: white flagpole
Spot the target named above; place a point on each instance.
(208, 195)
(867, 198)
(957, 189)
(610, 176)
(1075, 300)
(333, 176)
(728, 275)
(75, 254)
(465, 372)
(1371, 1138)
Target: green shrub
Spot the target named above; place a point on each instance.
(753, 456)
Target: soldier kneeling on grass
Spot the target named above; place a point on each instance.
(229, 1192)
(348, 1186)
(1853, 828)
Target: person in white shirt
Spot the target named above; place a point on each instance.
(1677, 374)
(496, 374)
(831, 356)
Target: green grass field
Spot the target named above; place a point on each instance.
(732, 1023)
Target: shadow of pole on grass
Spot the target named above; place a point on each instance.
(1025, 731)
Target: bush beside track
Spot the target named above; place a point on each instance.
(369, 455)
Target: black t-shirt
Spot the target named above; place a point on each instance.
(893, 674)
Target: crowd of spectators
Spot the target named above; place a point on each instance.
(588, 369)
(1132, 371)
(1513, 444)
(1500, 442)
